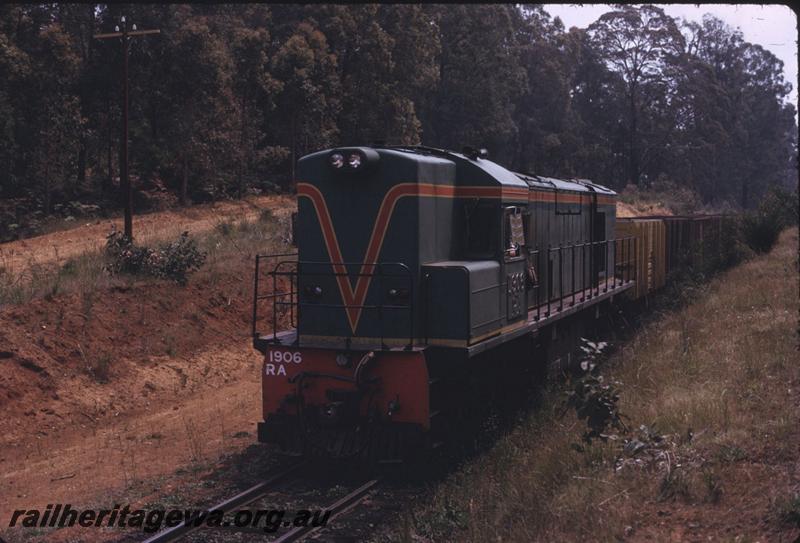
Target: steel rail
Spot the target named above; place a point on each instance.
(245, 497)
(337, 509)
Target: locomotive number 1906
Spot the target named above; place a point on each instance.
(285, 357)
(277, 359)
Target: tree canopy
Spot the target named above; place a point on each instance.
(228, 97)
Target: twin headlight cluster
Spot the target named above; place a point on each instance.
(352, 160)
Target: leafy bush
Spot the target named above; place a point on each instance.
(173, 261)
(760, 230)
(731, 249)
(778, 209)
(178, 259)
(783, 204)
(124, 256)
(725, 252)
(594, 399)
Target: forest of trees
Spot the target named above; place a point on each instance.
(228, 96)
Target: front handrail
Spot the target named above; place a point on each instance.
(294, 270)
(256, 297)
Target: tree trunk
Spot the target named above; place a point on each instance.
(154, 121)
(184, 180)
(48, 197)
(109, 181)
(110, 177)
(81, 174)
(244, 156)
(633, 174)
(294, 137)
(745, 187)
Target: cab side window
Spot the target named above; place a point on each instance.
(514, 231)
(481, 225)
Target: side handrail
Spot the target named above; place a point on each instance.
(611, 257)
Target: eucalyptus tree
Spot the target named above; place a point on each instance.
(198, 69)
(307, 103)
(481, 78)
(597, 103)
(638, 43)
(254, 88)
(739, 133)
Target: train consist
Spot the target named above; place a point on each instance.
(425, 280)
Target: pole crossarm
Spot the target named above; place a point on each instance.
(143, 32)
(109, 35)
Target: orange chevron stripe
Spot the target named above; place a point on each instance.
(356, 296)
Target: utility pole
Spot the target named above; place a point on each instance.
(124, 180)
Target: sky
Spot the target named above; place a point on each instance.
(772, 26)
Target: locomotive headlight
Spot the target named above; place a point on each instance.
(354, 161)
(342, 360)
(337, 160)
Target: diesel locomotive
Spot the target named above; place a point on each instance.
(421, 276)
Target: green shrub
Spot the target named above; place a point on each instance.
(782, 204)
(725, 252)
(761, 228)
(173, 261)
(124, 256)
(594, 399)
(176, 260)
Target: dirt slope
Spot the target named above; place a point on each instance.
(59, 246)
(154, 372)
(640, 210)
(113, 388)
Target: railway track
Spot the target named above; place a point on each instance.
(338, 508)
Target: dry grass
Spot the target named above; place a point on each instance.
(711, 378)
(230, 246)
(78, 274)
